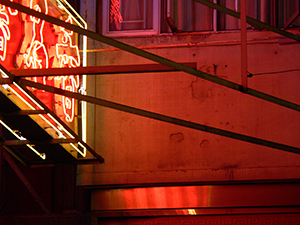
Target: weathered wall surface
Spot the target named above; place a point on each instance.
(140, 150)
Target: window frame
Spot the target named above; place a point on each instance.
(154, 31)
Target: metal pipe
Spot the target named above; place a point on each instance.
(160, 117)
(215, 17)
(22, 112)
(115, 69)
(26, 142)
(244, 46)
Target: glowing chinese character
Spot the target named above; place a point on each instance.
(67, 55)
(36, 55)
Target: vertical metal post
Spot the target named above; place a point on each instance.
(145, 16)
(215, 17)
(244, 45)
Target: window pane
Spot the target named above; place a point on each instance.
(187, 16)
(288, 12)
(203, 17)
(225, 21)
(130, 15)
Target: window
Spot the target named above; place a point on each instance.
(191, 16)
(138, 17)
(130, 17)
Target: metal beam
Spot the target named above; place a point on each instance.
(25, 142)
(160, 117)
(16, 156)
(154, 57)
(5, 80)
(249, 20)
(51, 164)
(17, 170)
(115, 69)
(86, 161)
(23, 112)
(244, 46)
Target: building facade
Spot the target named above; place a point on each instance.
(193, 149)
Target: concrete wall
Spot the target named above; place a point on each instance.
(141, 151)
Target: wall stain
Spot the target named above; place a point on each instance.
(176, 137)
(204, 144)
(201, 91)
(229, 170)
(215, 69)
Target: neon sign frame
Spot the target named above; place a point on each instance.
(31, 59)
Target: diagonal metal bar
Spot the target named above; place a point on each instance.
(249, 20)
(25, 142)
(5, 80)
(18, 171)
(51, 164)
(115, 69)
(16, 156)
(160, 117)
(23, 112)
(152, 56)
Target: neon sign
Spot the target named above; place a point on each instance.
(35, 52)
(38, 44)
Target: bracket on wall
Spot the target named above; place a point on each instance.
(29, 141)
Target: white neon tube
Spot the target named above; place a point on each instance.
(42, 155)
(84, 64)
(61, 135)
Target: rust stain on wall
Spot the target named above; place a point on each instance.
(201, 91)
(176, 137)
(204, 143)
